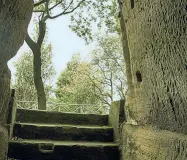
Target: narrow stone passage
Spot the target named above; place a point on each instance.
(40, 135)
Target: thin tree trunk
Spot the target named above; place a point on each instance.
(38, 81)
(14, 18)
(37, 64)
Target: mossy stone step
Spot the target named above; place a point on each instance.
(37, 116)
(55, 150)
(63, 132)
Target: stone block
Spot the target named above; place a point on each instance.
(117, 117)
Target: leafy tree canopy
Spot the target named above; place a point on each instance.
(86, 15)
(102, 80)
(74, 86)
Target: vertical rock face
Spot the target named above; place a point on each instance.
(157, 39)
(14, 18)
(156, 34)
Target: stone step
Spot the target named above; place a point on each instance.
(63, 132)
(36, 116)
(55, 150)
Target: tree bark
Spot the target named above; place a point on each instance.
(37, 64)
(38, 80)
(14, 18)
(37, 70)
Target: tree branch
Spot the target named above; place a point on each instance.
(55, 5)
(39, 3)
(101, 95)
(30, 42)
(38, 11)
(102, 98)
(42, 31)
(96, 79)
(65, 11)
(115, 59)
(111, 87)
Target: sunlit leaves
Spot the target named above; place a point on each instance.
(24, 81)
(96, 15)
(87, 16)
(74, 85)
(102, 79)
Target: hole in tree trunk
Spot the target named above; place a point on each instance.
(139, 76)
(132, 4)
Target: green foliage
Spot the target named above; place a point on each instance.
(87, 16)
(24, 81)
(100, 81)
(108, 61)
(82, 82)
(74, 86)
(94, 15)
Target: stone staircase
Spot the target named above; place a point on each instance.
(43, 135)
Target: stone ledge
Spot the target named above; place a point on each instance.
(63, 132)
(62, 150)
(147, 143)
(38, 116)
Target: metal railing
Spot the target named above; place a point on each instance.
(64, 107)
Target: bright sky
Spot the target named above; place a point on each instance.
(64, 43)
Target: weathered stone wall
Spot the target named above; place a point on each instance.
(157, 40)
(156, 34)
(14, 18)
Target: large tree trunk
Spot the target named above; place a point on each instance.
(14, 18)
(38, 81)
